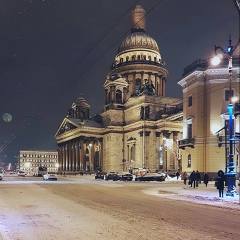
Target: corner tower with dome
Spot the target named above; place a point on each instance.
(139, 126)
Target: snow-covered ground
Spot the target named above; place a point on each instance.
(177, 190)
(202, 194)
(79, 207)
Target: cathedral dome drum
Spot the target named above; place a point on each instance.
(138, 40)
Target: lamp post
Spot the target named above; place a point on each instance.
(231, 181)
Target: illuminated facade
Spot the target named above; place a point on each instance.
(139, 126)
(206, 94)
(30, 160)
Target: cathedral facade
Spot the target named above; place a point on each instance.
(139, 126)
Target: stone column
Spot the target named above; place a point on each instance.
(156, 85)
(81, 155)
(106, 97)
(70, 157)
(112, 94)
(164, 87)
(124, 95)
(74, 155)
(66, 157)
(92, 152)
(101, 163)
(133, 85)
(77, 154)
(160, 86)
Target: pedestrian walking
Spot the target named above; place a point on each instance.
(185, 178)
(205, 179)
(220, 182)
(198, 178)
(192, 178)
(177, 174)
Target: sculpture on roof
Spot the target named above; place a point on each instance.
(146, 88)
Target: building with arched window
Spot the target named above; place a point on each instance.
(139, 126)
(206, 93)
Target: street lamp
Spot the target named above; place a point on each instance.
(215, 61)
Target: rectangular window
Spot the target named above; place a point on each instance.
(189, 131)
(190, 101)
(228, 95)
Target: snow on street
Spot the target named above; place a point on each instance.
(83, 208)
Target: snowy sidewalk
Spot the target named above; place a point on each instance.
(202, 194)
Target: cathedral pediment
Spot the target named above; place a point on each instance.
(118, 82)
(67, 125)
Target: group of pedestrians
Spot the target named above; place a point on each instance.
(194, 179)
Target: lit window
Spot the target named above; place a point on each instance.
(189, 161)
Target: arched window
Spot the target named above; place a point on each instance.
(127, 58)
(118, 96)
(121, 60)
(138, 57)
(138, 86)
(155, 59)
(189, 161)
(149, 58)
(133, 58)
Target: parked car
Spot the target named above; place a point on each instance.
(99, 175)
(151, 177)
(50, 176)
(22, 174)
(1, 176)
(112, 176)
(172, 172)
(126, 176)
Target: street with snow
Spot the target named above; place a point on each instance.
(79, 207)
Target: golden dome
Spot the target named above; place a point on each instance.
(138, 40)
(138, 37)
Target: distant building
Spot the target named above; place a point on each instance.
(31, 160)
(139, 126)
(206, 94)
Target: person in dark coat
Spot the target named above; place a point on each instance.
(193, 178)
(205, 179)
(220, 184)
(185, 178)
(177, 174)
(198, 178)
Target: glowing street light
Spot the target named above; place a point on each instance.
(215, 61)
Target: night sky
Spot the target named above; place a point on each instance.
(52, 50)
